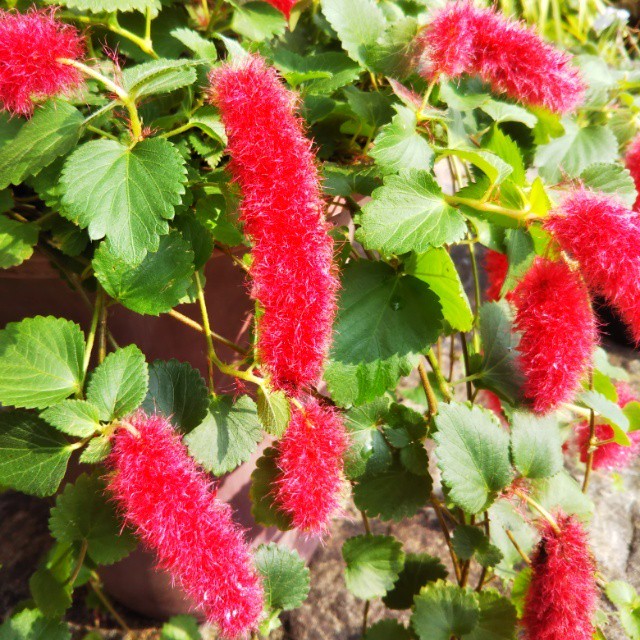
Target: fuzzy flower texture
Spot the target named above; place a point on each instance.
(30, 46)
(283, 213)
(284, 6)
(168, 501)
(463, 39)
(562, 596)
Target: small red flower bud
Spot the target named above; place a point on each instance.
(496, 266)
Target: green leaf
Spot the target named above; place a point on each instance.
(398, 145)
(362, 425)
(388, 630)
(126, 194)
(178, 392)
(181, 627)
(372, 109)
(611, 178)
(562, 492)
(610, 412)
(263, 508)
(118, 386)
(358, 23)
(489, 163)
(33, 455)
(470, 541)
(573, 152)
(53, 131)
(73, 417)
(83, 513)
(51, 596)
(285, 576)
(258, 21)
(273, 411)
(409, 213)
(16, 241)
(30, 624)
(521, 254)
(443, 610)
(200, 46)
(227, 436)
(198, 237)
(473, 455)
(155, 285)
(390, 54)
(536, 445)
(41, 361)
(507, 112)
(497, 618)
(506, 149)
(384, 320)
(96, 450)
(158, 76)
(373, 564)
(505, 517)
(419, 569)
(621, 593)
(436, 268)
(100, 6)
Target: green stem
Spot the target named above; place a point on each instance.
(432, 401)
(539, 508)
(465, 357)
(91, 335)
(102, 133)
(477, 294)
(107, 604)
(78, 567)
(147, 26)
(177, 130)
(517, 214)
(206, 13)
(443, 385)
(592, 442)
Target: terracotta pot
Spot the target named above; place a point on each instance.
(35, 288)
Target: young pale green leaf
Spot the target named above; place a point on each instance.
(384, 320)
(390, 54)
(178, 392)
(536, 445)
(181, 627)
(497, 618)
(373, 564)
(126, 194)
(507, 112)
(611, 178)
(443, 610)
(118, 386)
(83, 513)
(31, 624)
(398, 146)
(562, 492)
(96, 450)
(506, 149)
(156, 284)
(468, 541)
(419, 569)
(436, 268)
(74, 417)
(33, 455)
(17, 240)
(504, 517)
(273, 411)
(489, 163)
(611, 413)
(473, 455)
(227, 436)
(258, 21)
(158, 76)
(285, 576)
(200, 46)
(109, 6)
(409, 213)
(51, 596)
(263, 508)
(602, 364)
(41, 361)
(53, 131)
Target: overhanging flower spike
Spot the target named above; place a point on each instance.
(284, 6)
(632, 161)
(169, 502)
(283, 212)
(513, 59)
(496, 266)
(30, 46)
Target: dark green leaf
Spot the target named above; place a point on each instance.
(263, 508)
(30, 624)
(51, 596)
(470, 541)
(497, 618)
(388, 630)
(16, 241)
(285, 576)
(536, 445)
(419, 569)
(181, 627)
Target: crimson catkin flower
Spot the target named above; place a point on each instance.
(604, 237)
(284, 6)
(282, 210)
(30, 46)
(496, 266)
(168, 501)
(558, 329)
(510, 57)
(562, 595)
(632, 161)
(310, 461)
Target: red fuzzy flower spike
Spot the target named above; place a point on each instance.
(30, 46)
(283, 213)
(311, 463)
(562, 596)
(632, 160)
(284, 6)
(558, 329)
(168, 500)
(604, 237)
(510, 57)
(496, 266)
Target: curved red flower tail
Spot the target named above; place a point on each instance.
(282, 209)
(510, 57)
(496, 266)
(558, 328)
(310, 460)
(284, 6)
(562, 595)
(632, 161)
(168, 501)
(30, 45)
(598, 231)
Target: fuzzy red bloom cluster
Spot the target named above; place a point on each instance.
(496, 266)
(632, 160)
(604, 237)
(284, 6)
(30, 46)
(167, 499)
(609, 456)
(283, 213)
(310, 461)
(511, 58)
(562, 596)
(558, 329)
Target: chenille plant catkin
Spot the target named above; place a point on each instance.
(513, 59)
(283, 213)
(562, 595)
(170, 504)
(632, 161)
(284, 6)
(603, 236)
(31, 45)
(496, 266)
(558, 333)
